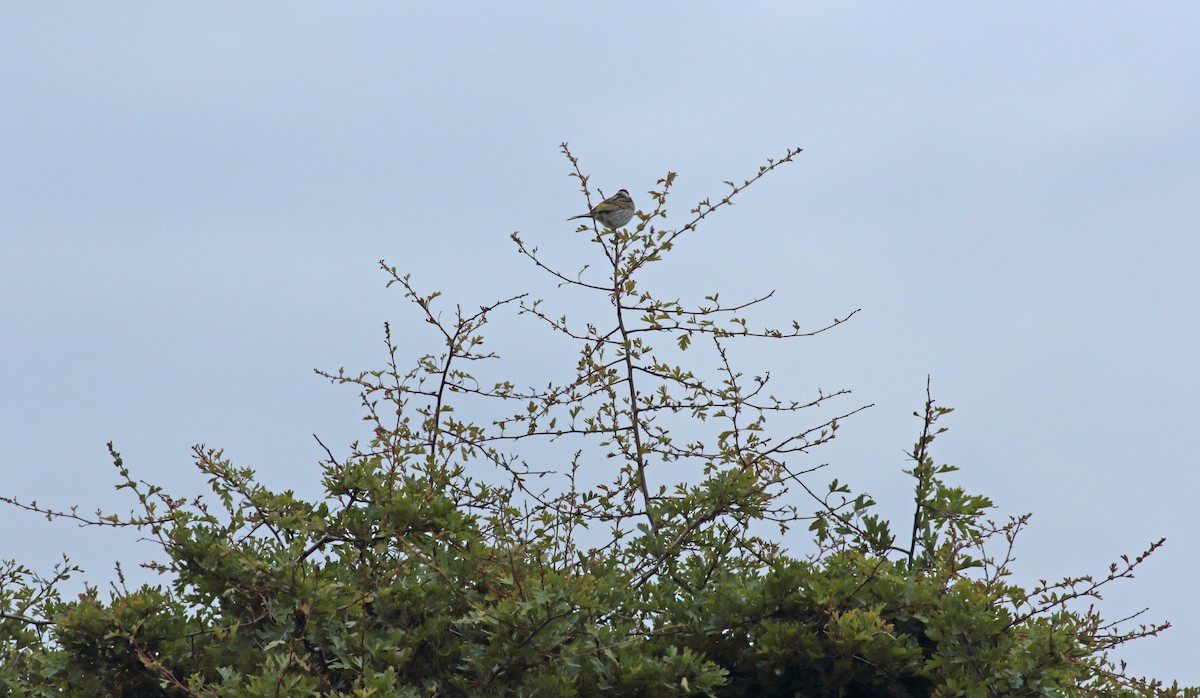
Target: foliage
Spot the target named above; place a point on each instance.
(442, 563)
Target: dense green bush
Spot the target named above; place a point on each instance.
(459, 553)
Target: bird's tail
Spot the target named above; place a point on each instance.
(585, 215)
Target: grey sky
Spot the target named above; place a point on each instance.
(193, 200)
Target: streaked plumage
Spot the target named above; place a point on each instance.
(613, 212)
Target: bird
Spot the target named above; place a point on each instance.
(613, 212)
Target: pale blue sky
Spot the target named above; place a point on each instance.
(193, 200)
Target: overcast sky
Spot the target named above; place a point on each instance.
(193, 200)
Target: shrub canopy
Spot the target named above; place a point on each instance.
(491, 539)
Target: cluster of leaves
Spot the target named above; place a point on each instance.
(441, 563)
